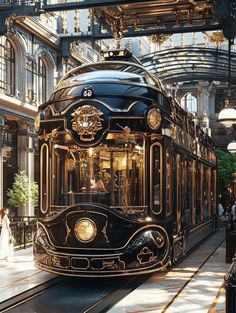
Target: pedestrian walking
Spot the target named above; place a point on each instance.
(6, 238)
(233, 211)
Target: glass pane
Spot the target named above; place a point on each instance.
(178, 192)
(44, 178)
(111, 174)
(169, 172)
(156, 174)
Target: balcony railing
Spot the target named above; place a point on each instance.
(23, 229)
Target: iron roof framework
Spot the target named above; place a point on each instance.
(133, 18)
(127, 18)
(188, 64)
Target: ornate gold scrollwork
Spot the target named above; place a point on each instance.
(159, 39)
(53, 135)
(87, 122)
(173, 131)
(216, 37)
(68, 231)
(104, 231)
(145, 256)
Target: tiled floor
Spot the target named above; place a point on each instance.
(198, 290)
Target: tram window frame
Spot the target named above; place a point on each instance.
(198, 193)
(188, 203)
(44, 179)
(194, 191)
(178, 192)
(205, 193)
(156, 180)
(78, 174)
(209, 192)
(214, 198)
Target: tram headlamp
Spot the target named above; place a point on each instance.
(85, 230)
(37, 122)
(153, 119)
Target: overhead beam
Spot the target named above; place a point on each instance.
(85, 4)
(66, 39)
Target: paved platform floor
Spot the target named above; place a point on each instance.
(20, 274)
(184, 289)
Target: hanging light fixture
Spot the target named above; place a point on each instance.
(232, 147)
(228, 114)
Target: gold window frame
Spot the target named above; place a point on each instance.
(44, 166)
(156, 144)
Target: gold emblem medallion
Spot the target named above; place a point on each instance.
(87, 122)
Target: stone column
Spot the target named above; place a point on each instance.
(203, 99)
(26, 159)
(30, 160)
(1, 157)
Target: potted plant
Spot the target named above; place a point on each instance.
(22, 191)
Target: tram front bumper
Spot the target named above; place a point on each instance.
(146, 252)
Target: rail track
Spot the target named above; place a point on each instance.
(89, 295)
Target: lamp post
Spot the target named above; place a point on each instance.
(228, 114)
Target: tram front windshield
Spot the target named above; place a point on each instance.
(110, 174)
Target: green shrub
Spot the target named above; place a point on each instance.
(22, 191)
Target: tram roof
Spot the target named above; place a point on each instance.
(109, 70)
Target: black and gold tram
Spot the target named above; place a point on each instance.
(127, 179)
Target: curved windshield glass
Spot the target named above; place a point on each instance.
(111, 174)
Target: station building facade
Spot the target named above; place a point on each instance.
(30, 66)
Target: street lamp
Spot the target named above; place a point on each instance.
(232, 147)
(228, 114)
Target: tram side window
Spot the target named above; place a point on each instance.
(169, 181)
(184, 192)
(44, 178)
(213, 192)
(205, 194)
(156, 174)
(198, 193)
(178, 192)
(193, 178)
(188, 192)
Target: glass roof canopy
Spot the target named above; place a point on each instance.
(185, 64)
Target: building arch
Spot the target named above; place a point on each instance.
(19, 47)
(46, 66)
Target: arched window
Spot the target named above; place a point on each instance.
(189, 103)
(7, 68)
(42, 81)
